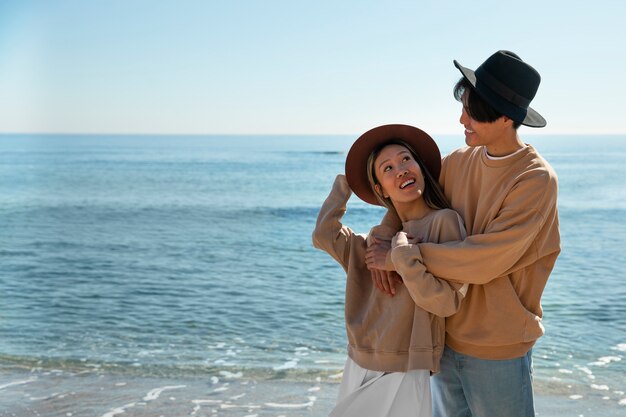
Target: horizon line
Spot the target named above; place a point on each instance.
(532, 132)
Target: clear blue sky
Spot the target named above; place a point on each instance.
(289, 66)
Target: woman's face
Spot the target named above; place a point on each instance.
(399, 174)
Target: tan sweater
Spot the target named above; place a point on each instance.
(384, 333)
(509, 207)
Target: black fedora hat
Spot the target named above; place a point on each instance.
(359, 153)
(508, 84)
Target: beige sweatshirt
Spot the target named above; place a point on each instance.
(384, 333)
(509, 207)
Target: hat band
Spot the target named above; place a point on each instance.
(501, 89)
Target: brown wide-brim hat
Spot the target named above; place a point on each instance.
(356, 161)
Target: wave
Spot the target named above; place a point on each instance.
(315, 152)
(10, 363)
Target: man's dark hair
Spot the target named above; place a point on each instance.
(475, 106)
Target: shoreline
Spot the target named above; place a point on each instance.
(58, 393)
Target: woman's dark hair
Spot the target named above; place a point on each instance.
(433, 193)
(477, 108)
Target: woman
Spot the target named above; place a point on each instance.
(394, 342)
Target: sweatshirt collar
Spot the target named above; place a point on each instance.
(507, 160)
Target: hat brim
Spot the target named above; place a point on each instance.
(356, 161)
(531, 119)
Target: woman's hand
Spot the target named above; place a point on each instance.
(376, 260)
(403, 239)
(386, 281)
(400, 239)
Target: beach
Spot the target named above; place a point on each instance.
(57, 393)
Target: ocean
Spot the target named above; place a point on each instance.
(178, 271)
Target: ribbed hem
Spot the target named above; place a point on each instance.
(489, 352)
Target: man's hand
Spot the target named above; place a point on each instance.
(376, 254)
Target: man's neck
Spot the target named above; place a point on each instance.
(509, 144)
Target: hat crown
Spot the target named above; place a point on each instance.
(504, 71)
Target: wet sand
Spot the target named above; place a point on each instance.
(58, 393)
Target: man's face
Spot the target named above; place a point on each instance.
(481, 133)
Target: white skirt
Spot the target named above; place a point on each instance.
(365, 393)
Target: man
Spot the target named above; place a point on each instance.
(506, 194)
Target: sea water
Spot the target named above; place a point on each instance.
(190, 256)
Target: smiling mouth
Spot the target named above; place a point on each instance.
(469, 131)
(406, 184)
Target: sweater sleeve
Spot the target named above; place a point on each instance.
(330, 235)
(505, 246)
(435, 295)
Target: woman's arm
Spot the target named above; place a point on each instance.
(330, 235)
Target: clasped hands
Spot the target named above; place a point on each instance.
(384, 279)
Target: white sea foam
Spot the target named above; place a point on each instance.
(154, 394)
(575, 397)
(119, 410)
(214, 380)
(230, 375)
(566, 371)
(288, 365)
(302, 351)
(587, 371)
(622, 401)
(292, 406)
(11, 384)
(314, 389)
(47, 397)
(200, 403)
(605, 360)
(223, 362)
(600, 387)
(246, 406)
(621, 347)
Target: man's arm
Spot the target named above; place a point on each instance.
(435, 295)
(507, 242)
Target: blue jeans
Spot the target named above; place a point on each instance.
(472, 387)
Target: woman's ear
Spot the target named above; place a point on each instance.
(380, 191)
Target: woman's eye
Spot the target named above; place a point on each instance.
(406, 158)
(387, 168)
